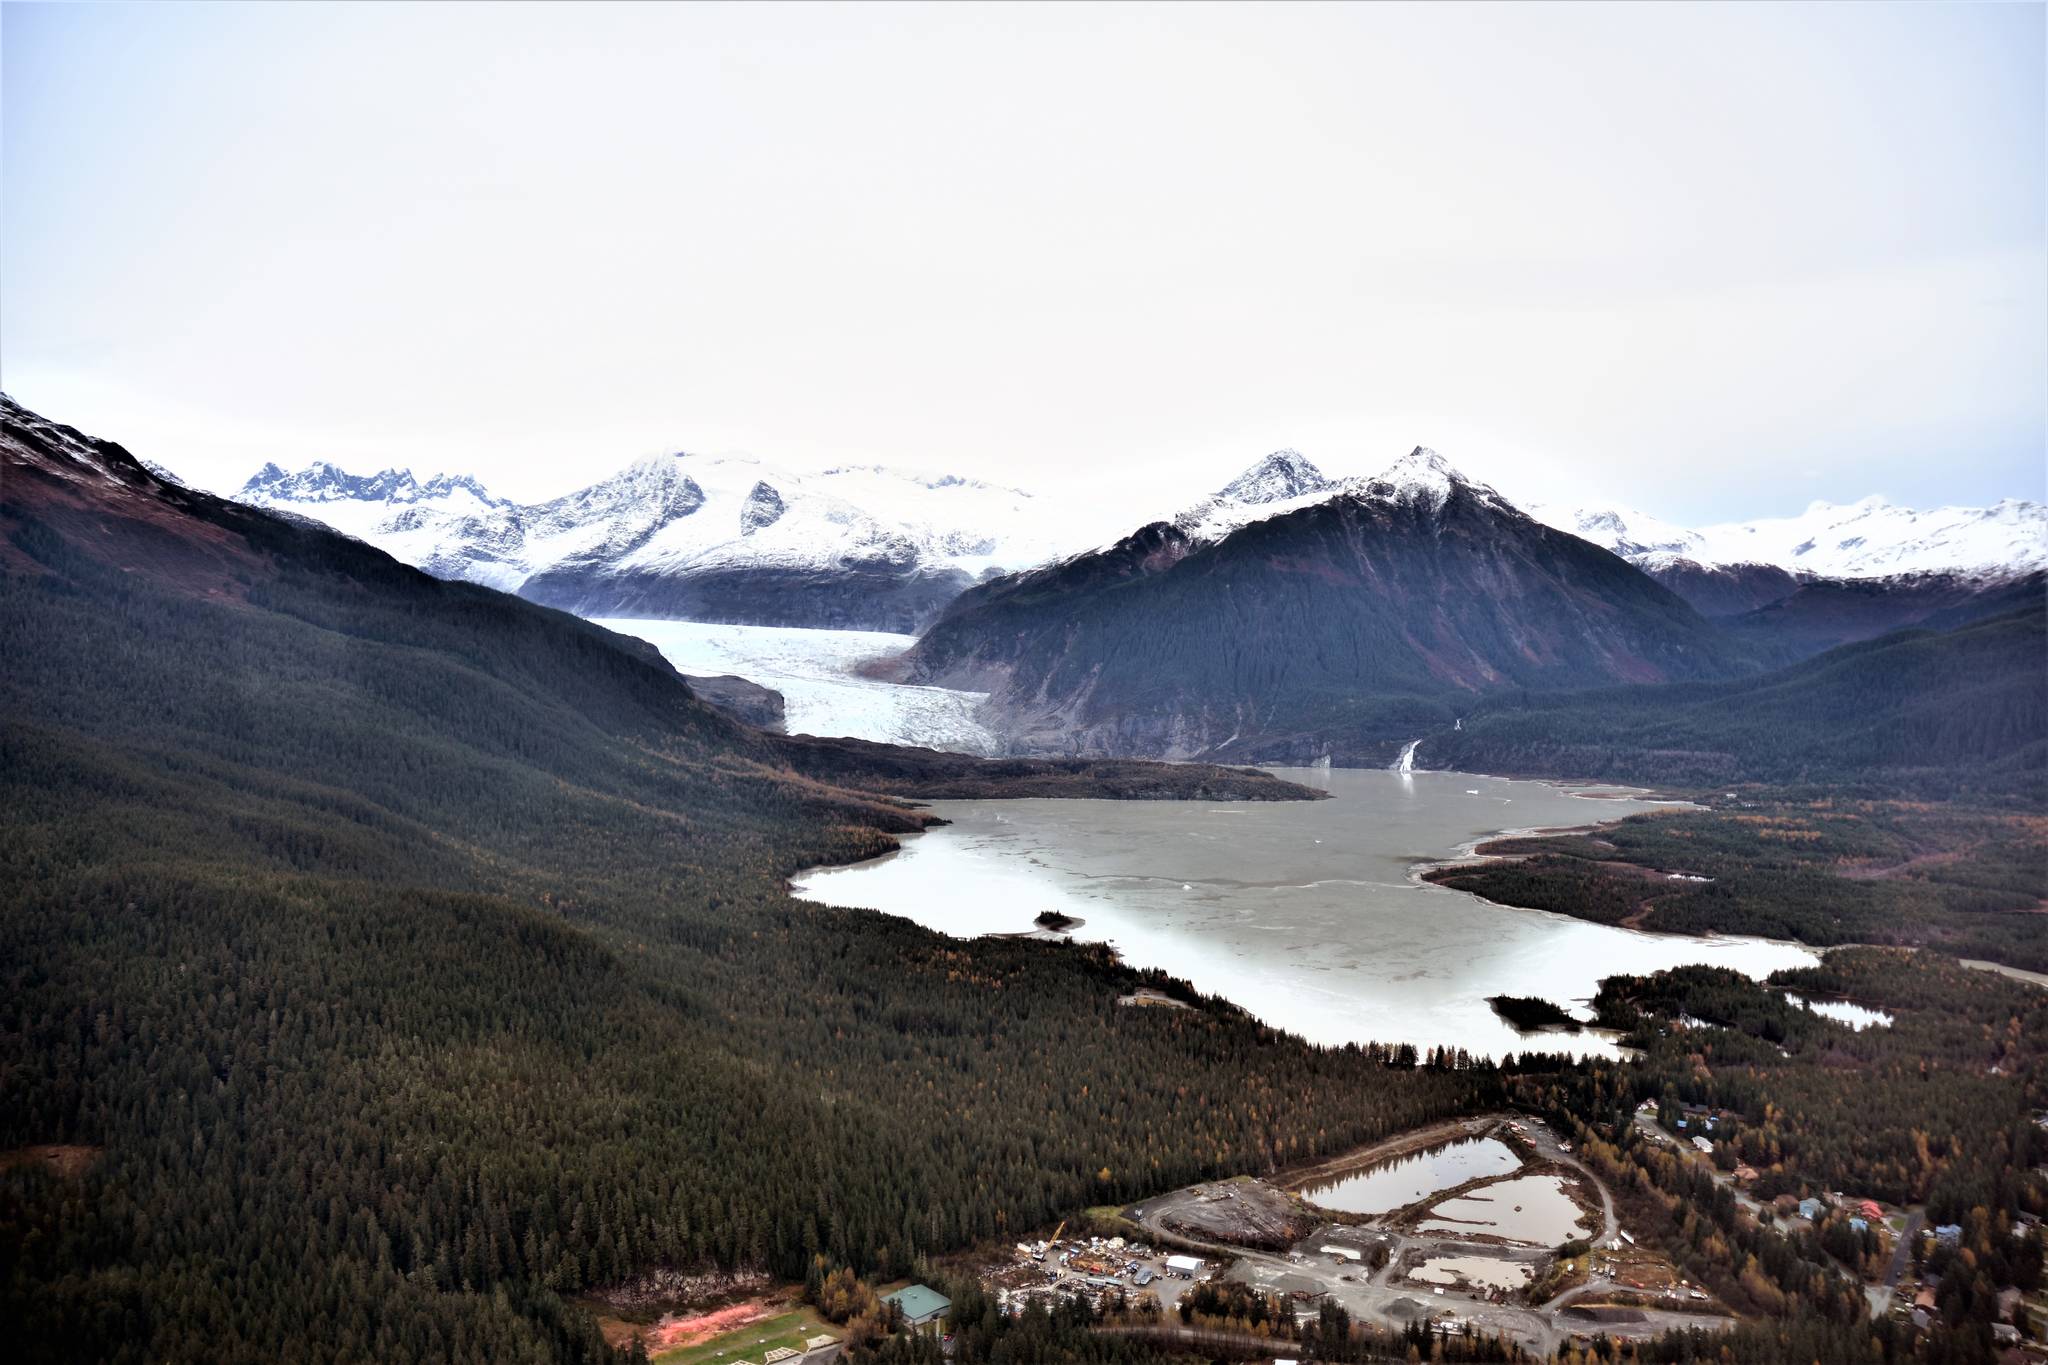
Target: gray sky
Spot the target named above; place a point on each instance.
(1714, 261)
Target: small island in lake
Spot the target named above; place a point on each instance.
(1528, 1013)
(1054, 920)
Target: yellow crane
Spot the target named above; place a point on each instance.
(1056, 1232)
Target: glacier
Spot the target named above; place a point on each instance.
(818, 673)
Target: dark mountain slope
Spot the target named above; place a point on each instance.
(1724, 589)
(401, 957)
(1825, 612)
(1341, 627)
(1920, 709)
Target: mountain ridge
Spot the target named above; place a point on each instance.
(1327, 628)
(880, 548)
(691, 536)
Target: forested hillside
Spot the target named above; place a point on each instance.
(1925, 710)
(386, 958)
(1963, 876)
(1825, 612)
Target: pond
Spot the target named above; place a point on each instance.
(1530, 1208)
(1490, 1271)
(1857, 1017)
(1404, 1180)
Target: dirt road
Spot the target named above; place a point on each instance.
(1384, 1298)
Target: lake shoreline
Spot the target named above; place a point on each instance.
(1304, 915)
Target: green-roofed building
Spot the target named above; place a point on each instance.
(920, 1304)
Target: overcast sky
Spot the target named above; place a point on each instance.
(1713, 261)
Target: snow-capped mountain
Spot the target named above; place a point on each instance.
(1282, 480)
(1286, 481)
(1259, 629)
(1867, 539)
(1282, 475)
(696, 537)
(733, 539)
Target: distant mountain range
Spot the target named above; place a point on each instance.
(1287, 616)
(1867, 539)
(694, 537)
(732, 539)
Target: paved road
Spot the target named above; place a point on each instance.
(1245, 1343)
(1881, 1297)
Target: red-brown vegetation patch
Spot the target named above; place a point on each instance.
(676, 1330)
(60, 1159)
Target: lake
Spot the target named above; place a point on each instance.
(1305, 913)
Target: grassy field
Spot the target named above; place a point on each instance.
(751, 1342)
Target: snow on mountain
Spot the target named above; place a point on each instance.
(161, 472)
(1422, 475)
(677, 519)
(1866, 539)
(1285, 482)
(732, 538)
(1279, 483)
(1283, 474)
(1623, 530)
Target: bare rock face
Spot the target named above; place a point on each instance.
(747, 702)
(763, 507)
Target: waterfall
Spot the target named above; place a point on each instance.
(1406, 762)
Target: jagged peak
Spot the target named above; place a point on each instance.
(1422, 473)
(1281, 475)
(325, 481)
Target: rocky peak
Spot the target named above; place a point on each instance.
(1281, 475)
(763, 507)
(324, 482)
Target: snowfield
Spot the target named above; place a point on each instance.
(816, 673)
(1867, 539)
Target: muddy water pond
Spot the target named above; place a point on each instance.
(1306, 913)
(1530, 1208)
(1405, 1180)
(1486, 1270)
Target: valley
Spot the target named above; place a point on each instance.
(581, 912)
(994, 684)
